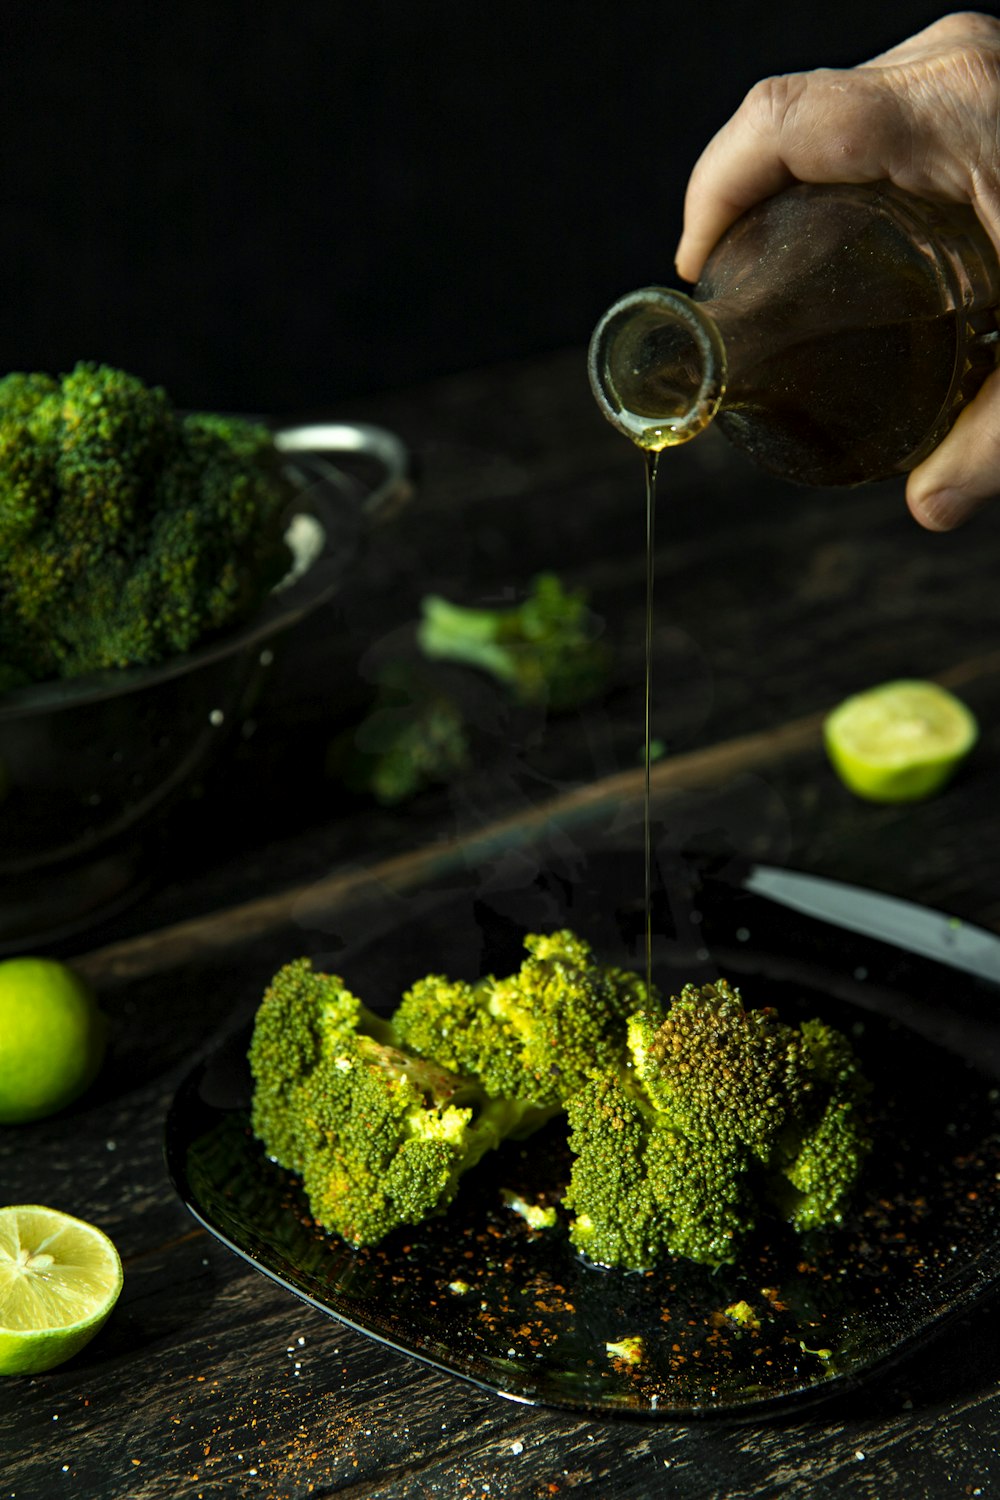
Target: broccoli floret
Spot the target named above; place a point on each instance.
(128, 533)
(21, 392)
(535, 1034)
(414, 736)
(545, 650)
(380, 1137)
(821, 1156)
(111, 435)
(640, 1190)
(723, 1113)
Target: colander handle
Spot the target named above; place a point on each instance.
(363, 440)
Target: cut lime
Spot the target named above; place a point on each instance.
(899, 742)
(59, 1279)
(52, 1038)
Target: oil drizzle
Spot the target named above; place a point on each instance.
(652, 457)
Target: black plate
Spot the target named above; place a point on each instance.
(478, 1293)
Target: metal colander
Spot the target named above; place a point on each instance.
(90, 767)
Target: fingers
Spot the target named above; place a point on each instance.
(963, 472)
(960, 29)
(922, 114)
(811, 127)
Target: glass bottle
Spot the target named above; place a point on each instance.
(835, 334)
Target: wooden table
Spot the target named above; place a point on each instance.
(772, 604)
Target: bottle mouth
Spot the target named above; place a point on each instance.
(657, 367)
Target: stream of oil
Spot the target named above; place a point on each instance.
(652, 441)
(652, 464)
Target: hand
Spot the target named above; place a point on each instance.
(926, 116)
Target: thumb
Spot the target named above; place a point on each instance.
(963, 472)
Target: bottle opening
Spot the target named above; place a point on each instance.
(657, 367)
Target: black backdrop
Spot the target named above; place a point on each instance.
(269, 206)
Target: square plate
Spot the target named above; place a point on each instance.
(515, 1310)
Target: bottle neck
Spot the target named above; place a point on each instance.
(657, 366)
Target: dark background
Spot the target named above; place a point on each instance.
(270, 207)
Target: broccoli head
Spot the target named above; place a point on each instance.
(535, 1034)
(545, 649)
(379, 1136)
(723, 1114)
(128, 532)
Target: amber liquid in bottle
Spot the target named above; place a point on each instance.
(856, 323)
(835, 334)
(823, 409)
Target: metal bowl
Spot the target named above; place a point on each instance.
(90, 767)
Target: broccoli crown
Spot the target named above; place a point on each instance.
(719, 1071)
(641, 1190)
(724, 1112)
(544, 650)
(380, 1137)
(127, 532)
(534, 1035)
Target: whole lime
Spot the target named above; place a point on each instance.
(52, 1038)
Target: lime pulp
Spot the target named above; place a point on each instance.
(59, 1279)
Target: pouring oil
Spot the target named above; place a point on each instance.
(652, 440)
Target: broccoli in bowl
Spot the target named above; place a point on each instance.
(129, 532)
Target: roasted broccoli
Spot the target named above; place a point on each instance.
(545, 649)
(686, 1127)
(723, 1114)
(534, 1034)
(380, 1137)
(128, 532)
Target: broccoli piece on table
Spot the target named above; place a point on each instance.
(722, 1113)
(128, 532)
(414, 736)
(535, 1034)
(545, 650)
(380, 1137)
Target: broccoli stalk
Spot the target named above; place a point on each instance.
(128, 533)
(722, 1113)
(545, 650)
(380, 1137)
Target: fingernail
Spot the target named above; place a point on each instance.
(943, 510)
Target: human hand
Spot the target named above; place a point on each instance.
(924, 115)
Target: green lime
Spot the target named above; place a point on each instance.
(59, 1280)
(52, 1038)
(899, 742)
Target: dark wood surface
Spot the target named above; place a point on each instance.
(771, 604)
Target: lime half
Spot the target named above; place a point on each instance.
(899, 742)
(59, 1280)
